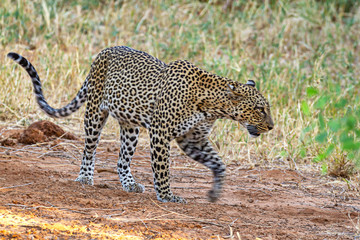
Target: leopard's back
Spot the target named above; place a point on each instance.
(131, 85)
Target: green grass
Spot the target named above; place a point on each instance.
(303, 55)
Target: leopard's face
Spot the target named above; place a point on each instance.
(250, 108)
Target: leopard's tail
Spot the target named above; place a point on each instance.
(72, 107)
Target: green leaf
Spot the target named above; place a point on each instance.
(351, 122)
(318, 158)
(329, 150)
(312, 91)
(321, 156)
(305, 108)
(321, 137)
(303, 152)
(350, 145)
(283, 153)
(341, 103)
(357, 132)
(324, 168)
(322, 101)
(334, 125)
(351, 156)
(308, 129)
(338, 89)
(321, 122)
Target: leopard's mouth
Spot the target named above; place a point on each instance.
(253, 131)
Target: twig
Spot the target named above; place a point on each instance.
(112, 215)
(187, 218)
(60, 154)
(14, 150)
(187, 187)
(144, 224)
(256, 189)
(16, 205)
(347, 206)
(168, 219)
(80, 209)
(17, 186)
(36, 207)
(67, 151)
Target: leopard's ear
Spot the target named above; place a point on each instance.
(250, 83)
(233, 94)
(231, 87)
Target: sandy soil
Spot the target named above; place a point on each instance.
(40, 200)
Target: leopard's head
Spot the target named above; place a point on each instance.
(250, 108)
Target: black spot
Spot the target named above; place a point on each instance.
(23, 62)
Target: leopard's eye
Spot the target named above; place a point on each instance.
(261, 109)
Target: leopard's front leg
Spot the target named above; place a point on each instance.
(160, 147)
(196, 145)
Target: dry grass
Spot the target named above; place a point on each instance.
(285, 46)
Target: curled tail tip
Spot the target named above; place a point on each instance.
(19, 59)
(13, 56)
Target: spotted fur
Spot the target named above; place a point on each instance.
(173, 101)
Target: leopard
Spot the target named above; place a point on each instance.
(176, 101)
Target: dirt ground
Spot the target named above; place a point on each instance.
(41, 200)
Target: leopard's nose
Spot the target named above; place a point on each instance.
(270, 127)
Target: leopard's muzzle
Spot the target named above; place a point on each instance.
(253, 131)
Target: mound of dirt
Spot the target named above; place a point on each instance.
(43, 131)
(32, 136)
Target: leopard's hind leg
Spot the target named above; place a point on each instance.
(94, 123)
(96, 114)
(129, 139)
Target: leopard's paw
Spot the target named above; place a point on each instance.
(85, 180)
(172, 198)
(213, 196)
(135, 187)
